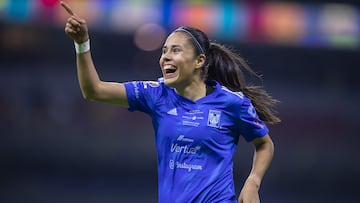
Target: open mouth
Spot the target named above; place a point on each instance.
(169, 70)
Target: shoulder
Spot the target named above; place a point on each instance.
(144, 95)
(225, 95)
(148, 85)
(233, 97)
(230, 93)
(150, 88)
(159, 84)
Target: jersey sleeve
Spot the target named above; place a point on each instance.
(142, 95)
(248, 122)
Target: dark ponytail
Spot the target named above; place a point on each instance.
(226, 67)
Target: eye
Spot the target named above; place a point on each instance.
(176, 50)
(164, 50)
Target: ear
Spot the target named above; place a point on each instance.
(200, 60)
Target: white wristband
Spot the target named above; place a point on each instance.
(83, 47)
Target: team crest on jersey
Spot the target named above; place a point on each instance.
(214, 118)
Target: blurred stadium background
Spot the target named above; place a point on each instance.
(56, 147)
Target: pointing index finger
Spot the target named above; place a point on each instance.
(67, 8)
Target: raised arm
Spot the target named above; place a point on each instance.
(264, 150)
(91, 86)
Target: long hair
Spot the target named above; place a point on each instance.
(226, 67)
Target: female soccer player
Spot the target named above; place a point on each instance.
(199, 108)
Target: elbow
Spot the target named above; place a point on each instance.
(88, 94)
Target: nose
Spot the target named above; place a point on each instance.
(165, 56)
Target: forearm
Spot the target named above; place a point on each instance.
(87, 75)
(264, 151)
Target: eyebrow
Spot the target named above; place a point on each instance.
(172, 46)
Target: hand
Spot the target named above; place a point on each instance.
(76, 27)
(249, 193)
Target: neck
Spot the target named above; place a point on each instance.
(193, 92)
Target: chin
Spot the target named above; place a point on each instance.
(171, 82)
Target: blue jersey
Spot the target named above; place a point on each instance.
(195, 140)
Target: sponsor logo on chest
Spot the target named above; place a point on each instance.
(184, 149)
(195, 117)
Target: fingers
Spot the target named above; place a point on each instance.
(67, 8)
(74, 22)
(71, 29)
(73, 26)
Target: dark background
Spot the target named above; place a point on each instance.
(57, 147)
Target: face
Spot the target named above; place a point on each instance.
(179, 64)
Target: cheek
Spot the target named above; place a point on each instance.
(160, 60)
